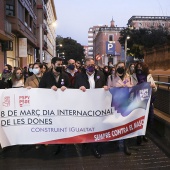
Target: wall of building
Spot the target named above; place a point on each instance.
(100, 45)
(158, 59)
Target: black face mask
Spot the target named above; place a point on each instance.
(71, 67)
(120, 70)
(139, 71)
(58, 69)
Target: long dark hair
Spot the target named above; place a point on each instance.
(14, 78)
(145, 67)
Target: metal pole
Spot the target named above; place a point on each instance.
(41, 57)
(125, 49)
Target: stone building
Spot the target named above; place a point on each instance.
(104, 37)
(158, 58)
(22, 44)
(5, 35)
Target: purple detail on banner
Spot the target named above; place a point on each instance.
(125, 100)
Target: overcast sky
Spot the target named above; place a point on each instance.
(75, 17)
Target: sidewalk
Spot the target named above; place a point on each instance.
(147, 156)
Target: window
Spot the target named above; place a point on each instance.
(34, 6)
(26, 17)
(34, 29)
(31, 23)
(20, 12)
(30, 1)
(110, 37)
(10, 10)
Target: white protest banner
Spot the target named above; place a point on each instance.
(44, 116)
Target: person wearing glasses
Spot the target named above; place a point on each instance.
(90, 78)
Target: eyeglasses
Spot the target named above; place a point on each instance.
(91, 65)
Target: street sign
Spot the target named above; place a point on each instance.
(110, 48)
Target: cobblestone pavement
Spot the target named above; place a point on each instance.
(73, 157)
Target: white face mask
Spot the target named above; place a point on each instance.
(30, 70)
(36, 70)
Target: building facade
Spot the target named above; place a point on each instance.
(46, 30)
(24, 23)
(149, 21)
(105, 38)
(5, 35)
(158, 58)
(92, 32)
(22, 15)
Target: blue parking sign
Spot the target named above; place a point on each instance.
(110, 48)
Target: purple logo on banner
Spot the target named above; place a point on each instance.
(125, 100)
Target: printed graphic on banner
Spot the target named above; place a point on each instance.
(27, 116)
(125, 100)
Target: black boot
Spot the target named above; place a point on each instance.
(126, 148)
(58, 150)
(145, 139)
(139, 140)
(96, 153)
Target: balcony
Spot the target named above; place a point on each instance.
(45, 29)
(45, 47)
(8, 27)
(45, 12)
(45, 1)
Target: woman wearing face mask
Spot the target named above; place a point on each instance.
(33, 81)
(30, 67)
(131, 69)
(142, 75)
(120, 78)
(6, 76)
(17, 78)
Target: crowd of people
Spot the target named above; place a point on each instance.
(75, 75)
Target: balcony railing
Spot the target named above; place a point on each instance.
(45, 29)
(45, 47)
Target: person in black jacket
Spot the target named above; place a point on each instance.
(55, 78)
(71, 71)
(90, 78)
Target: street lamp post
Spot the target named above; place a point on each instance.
(59, 54)
(41, 58)
(126, 48)
(60, 45)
